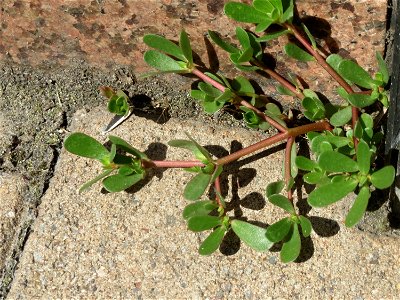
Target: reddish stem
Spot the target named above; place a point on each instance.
(322, 62)
(285, 83)
(288, 167)
(240, 100)
(217, 185)
(171, 164)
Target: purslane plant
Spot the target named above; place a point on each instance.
(343, 138)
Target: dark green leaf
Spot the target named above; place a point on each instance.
(336, 162)
(382, 67)
(264, 25)
(363, 157)
(212, 242)
(272, 36)
(383, 178)
(359, 207)
(244, 13)
(331, 192)
(118, 183)
(305, 163)
(288, 9)
(274, 188)
(125, 170)
(325, 146)
(162, 44)
(306, 226)
(184, 43)
(341, 117)
(86, 146)
(242, 57)
(296, 52)
(197, 94)
(122, 144)
(252, 235)
(94, 180)
(196, 187)
(201, 223)
(291, 249)
(353, 72)
(282, 202)
(162, 62)
(273, 109)
(279, 230)
(199, 208)
(361, 100)
(220, 42)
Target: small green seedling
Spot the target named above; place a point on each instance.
(343, 138)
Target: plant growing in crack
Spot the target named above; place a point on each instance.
(344, 139)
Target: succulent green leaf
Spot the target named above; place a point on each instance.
(191, 146)
(263, 25)
(201, 223)
(341, 117)
(334, 61)
(316, 177)
(243, 37)
(164, 45)
(305, 163)
(282, 202)
(199, 208)
(279, 230)
(244, 13)
(209, 89)
(293, 154)
(94, 180)
(221, 43)
(288, 9)
(196, 187)
(336, 162)
(245, 56)
(184, 43)
(83, 145)
(122, 144)
(310, 36)
(162, 62)
(325, 146)
(125, 170)
(306, 226)
(118, 182)
(200, 148)
(264, 6)
(353, 72)
(296, 52)
(198, 94)
(212, 106)
(331, 192)
(273, 109)
(113, 152)
(275, 188)
(212, 242)
(315, 109)
(383, 178)
(359, 207)
(361, 100)
(363, 157)
(252, 235)
(242, 84)
(383, 69)
(291, 249)
(272, 36)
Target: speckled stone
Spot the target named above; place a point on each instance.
(108, 33)
(135, 244)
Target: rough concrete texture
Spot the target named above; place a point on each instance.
(12, 188)
(108, 33)
(135, 244)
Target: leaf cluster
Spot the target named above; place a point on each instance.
(120, 171)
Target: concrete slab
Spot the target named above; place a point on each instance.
(129, 245)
